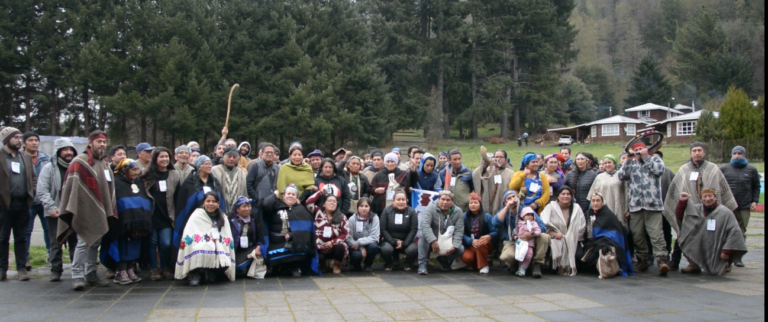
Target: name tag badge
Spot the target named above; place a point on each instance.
(215, 233)
(244, 242)
(711, 224)
(535, 187)
(390, 195)
(327, 232)
(497, 179)
(163, 185)
(551, 191)
(107, 175)
(398, 219)
(453, 181)
(206, 189)
(694, 176)
(16, 167)
(359, 226)
(528, 225)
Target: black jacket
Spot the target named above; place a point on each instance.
(341, 184)
(744, 183)
(391, 231)
(586, 178)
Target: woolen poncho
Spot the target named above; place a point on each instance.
(300, 175)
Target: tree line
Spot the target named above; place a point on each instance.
(327, 72)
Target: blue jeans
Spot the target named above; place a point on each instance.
(37, 211)
(164, 238)
(356, 255)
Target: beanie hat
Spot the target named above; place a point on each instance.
(28, 135)
(315, 153)
(390, 157)
(182, 148)
(612, 158)
(7, 133)
(739, 149)
(193, 143)
(200, 160)
(698, 144)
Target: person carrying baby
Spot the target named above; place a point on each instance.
(526, 230)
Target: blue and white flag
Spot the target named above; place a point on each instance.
(420, 199)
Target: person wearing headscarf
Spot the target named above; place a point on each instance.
(506, 221)
(161, 182)
(532, 186)
(479, 235)
(491, 179)
(442, 161)
(206, 249)
(231, 177)
(289, 241)
(247, 234)
(613, 189)
(296, 172)
(605, 234)
(426, 177)
(386, 182)
(182, 165)
(134, 213)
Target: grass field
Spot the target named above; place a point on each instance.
(37, 257)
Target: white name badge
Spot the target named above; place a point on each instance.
(327, 232)
(244, 242)
(163, 185)
(390, 195)
(497, 179)
(528, 225)
(711, 224)
(398, 219)
(535, 187)
(551, 191)
(453, 181)
(107, 175)
(16, 167)
(694, 176)
(359, 226)
(206, 189)
(215, 233)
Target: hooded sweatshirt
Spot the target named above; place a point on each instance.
(51, 177)
(427, 181)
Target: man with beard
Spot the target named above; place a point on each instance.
(245, 152)
(49, 191)
(17, 192)
(88, 208)
(231, 177)
(31, 144)
(217, 154)
(181, 155)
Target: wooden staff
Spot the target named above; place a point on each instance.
(229, 103)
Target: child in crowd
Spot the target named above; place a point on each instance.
(526, 225)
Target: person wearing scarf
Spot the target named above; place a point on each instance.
(534, 191)
(289, 239)
(479, 235)
(506, 221)
(614, 190)
(744, 182)
(231, 177)
(491, 179)
(248, 236)
(88, 207)
(710, 236)
(363, 237)
(606, 234)
(566, 227)
(296, 172)
(442, 161)
(357, 183)
(134, 213)
(207, 248)
(191, 194)
(386, 182)
(426, 177)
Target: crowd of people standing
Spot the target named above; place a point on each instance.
(183, 214)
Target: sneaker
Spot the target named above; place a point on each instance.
(78, 284)
(155, 274)
(536, 270)
(194, 279)
(423, 269)
(55, 277)
(407, 268)
(94, 280)
(484, 270)
(738, 263)
(458, 264)
(296, 272)
(168, 273)
(122, 278)
(521, 271)
(23, 276)
(134, 278)
(444, 263)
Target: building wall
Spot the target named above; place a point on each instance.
(658, 115)
(673, 137)
(622, 137)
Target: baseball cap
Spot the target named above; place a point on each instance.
(144, 146)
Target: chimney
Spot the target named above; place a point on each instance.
(693, 106)
(610, 111)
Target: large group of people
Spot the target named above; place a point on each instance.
(183, 214)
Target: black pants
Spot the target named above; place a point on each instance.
(337, 253)
(55, 254)
(356, 255)
(16, 220)
(389, 254)
(676, 254)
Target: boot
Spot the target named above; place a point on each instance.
(641, 265)
(536, 271)
(94, 280)
(55, 277)
(155, 275)
(168, 273)
(738, 262)
(663, 267)
(336, 267)
(23, 276)
(691, 269)
(78, 284)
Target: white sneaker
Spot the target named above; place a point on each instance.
(484, 270)
(457, 264)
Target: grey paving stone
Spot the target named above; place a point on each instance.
(564, 316)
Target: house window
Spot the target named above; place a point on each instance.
(686, 128)
(610, 130)
(644, 114)
(631, 131)
(594, 130)
(669, 129)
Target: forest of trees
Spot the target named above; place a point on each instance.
(344, 72)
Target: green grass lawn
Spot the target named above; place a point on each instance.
(37, 257)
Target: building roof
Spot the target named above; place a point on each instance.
(650, 107)
(685, 117)
(618, 119)
(682, 107)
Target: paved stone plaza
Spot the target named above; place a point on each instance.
(398, 295)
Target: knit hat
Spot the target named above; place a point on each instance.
(291, 187)
(28, 135)
(474, 196)
(230, 150)
(200, 160)
(193, 143)
(182, 148)
(442, 154)
(315, 153)
(396, 150)
(7, 133)
(390, 157)
(507, 194)
(698, 144)
(739, 149)
(612, 158)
